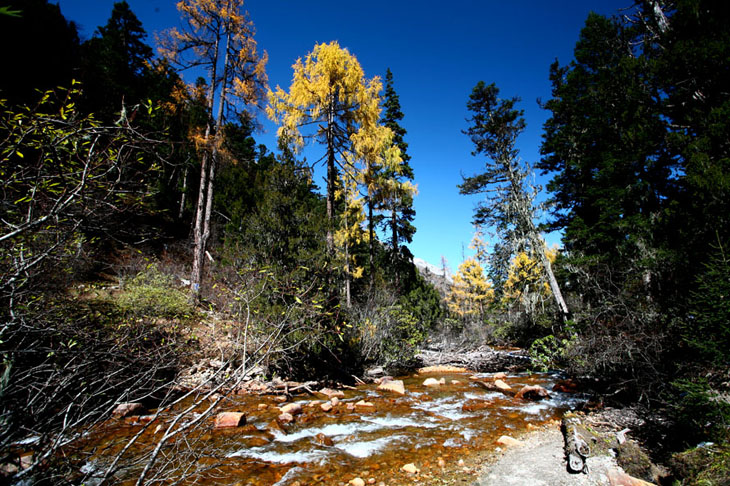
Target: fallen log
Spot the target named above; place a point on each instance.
(577, 449)
(485, 361)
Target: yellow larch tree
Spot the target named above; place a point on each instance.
(217, 36)
(330, 101)
(471, 292)
(527, 281)
(350, 231)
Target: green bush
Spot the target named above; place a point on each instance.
(152, 293)
(701, 412)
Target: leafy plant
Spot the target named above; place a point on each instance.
(152, 293)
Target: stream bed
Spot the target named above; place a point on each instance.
(444, 431)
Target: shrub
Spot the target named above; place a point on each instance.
(700, 411)
(152, 293)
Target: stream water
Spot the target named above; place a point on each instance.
(443, 431)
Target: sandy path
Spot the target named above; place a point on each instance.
(539, 461)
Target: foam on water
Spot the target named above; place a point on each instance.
(331, 430)
(364, 448)
(289, 475)
(449, 407)
(281, 457)
(400, 422)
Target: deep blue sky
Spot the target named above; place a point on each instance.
(437, 51)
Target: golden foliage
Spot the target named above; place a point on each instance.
(329, 85)
(527, 275)
(470, 293)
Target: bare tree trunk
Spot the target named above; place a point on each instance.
(184, 194)
(394, 238)
(538, 244)
(371, 243)
(198, 230)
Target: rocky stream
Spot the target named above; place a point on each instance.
(431, 427)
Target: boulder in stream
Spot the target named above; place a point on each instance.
(285, 418)
(395, 386)
(230, 419)
(410, 468)
(128, 409)
(501, 385)
(431, 382)
(532, 392)
(330, 393)
(291, 408)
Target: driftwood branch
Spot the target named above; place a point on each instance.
(577, 449)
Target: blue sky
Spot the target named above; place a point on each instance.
(437, 51)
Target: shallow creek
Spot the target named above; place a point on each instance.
(432, 427)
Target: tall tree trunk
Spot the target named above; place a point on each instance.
(184, 194)
(331, 174)
(538, 244)
(198, 231)
(395, 251)
(371, 243)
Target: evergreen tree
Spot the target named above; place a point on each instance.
(509, 205)
(40, 50)
(398, 207)
(603, 142)
(114, 64)
(329, 90)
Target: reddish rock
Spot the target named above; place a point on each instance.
(351, 406)
(499, 376)
(474, 404)
(335, 401)
(356, 482)
(367, 406)
(330, 393)
(326, 407)
(262, 406)
(322, 439)
(230, 419)
(619, 478)
(257, 441)
(410, 468)
(285, 418)
(502, 386)
(566, 386)
(275, 427)
(280, 399)
(532, 392)
(128, 409)
(455, 382)
(291, 408)
(395, 386)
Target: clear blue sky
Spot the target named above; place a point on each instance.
(437, 51)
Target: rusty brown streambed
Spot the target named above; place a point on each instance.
(432, 428)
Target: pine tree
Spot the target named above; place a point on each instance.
(398, 203)
(509, 206)
(114, 64)
(470, 293)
